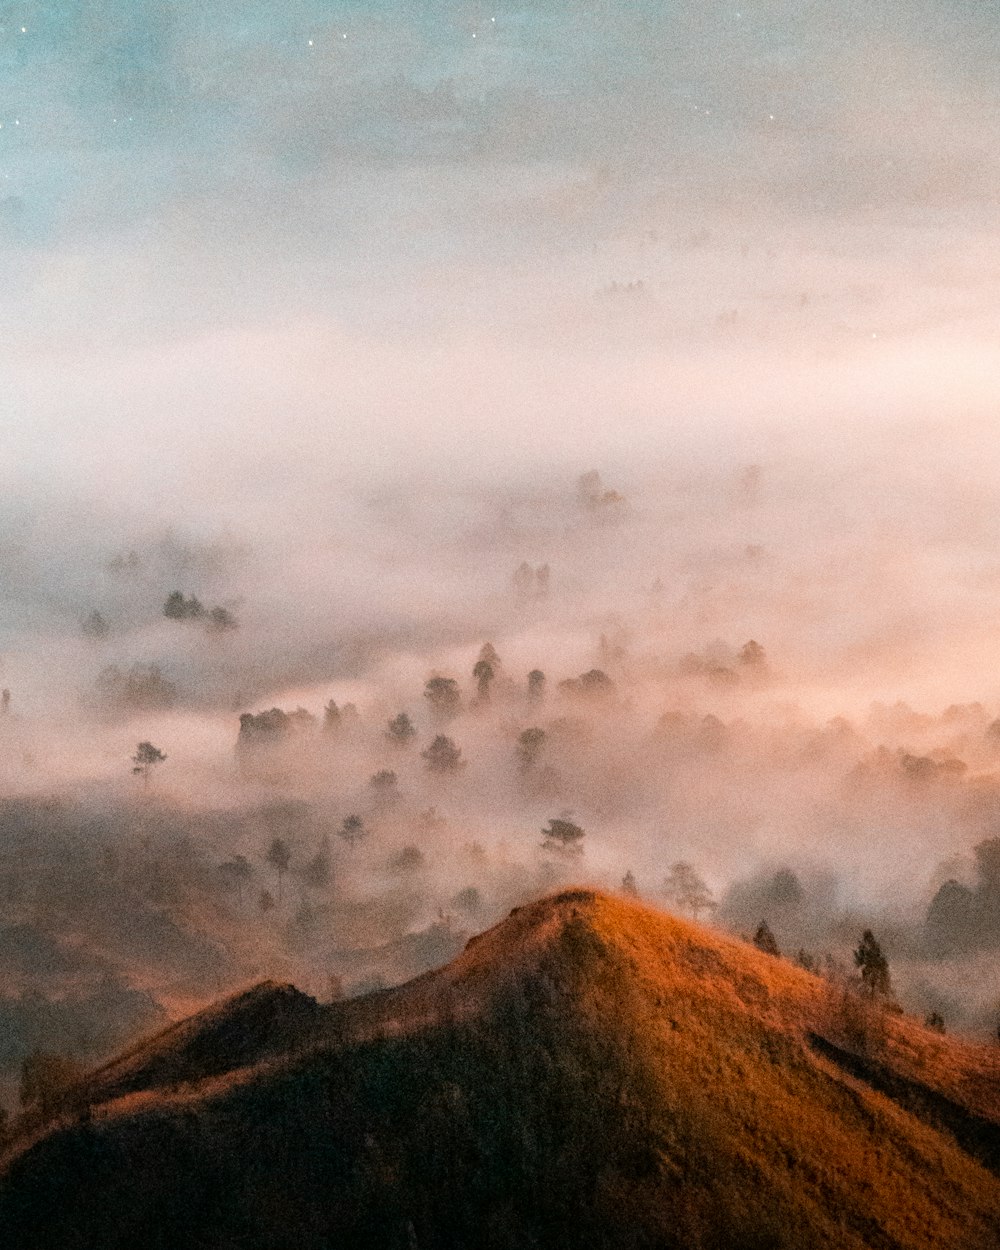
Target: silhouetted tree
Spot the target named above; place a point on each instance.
(279, 856)
(177, 608)
(563, 835)
(594, 684)
(935, 1022)
(685, 888)
(488, 653)
(765, 940)
(536, 684)
(443, 756)
(352, 830)
(222, 620)
(468, 900)
(752, 655)
(484, 673)
(265, 901)
(951, 918)
(95, 626)
(443, 695)
(145, 760)
(4, 702)
(529, 745)
(401, 729)
(331, 717)
(238, 871)
(263, 729)
(873, 966)
(409, 859)
(301, 720)
(319, 870)
(808, 962)
(629, 886)
(142, 688)
(383, 782)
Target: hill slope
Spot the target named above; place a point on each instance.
(588, 1073)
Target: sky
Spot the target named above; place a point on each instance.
(281, 243)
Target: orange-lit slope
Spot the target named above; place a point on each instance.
(588, 1072)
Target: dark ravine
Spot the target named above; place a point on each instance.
(976, 1135)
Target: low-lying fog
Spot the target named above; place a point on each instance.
(346, 351)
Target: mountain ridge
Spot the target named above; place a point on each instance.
(588, 1059)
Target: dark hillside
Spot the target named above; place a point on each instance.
(589, 1073)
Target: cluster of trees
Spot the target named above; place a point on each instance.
(721, 666)
(142, 688)
(965, 918)
(444, 700)
(179, 608)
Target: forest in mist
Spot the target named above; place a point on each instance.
(420, 428)
(367, 736)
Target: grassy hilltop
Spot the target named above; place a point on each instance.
(590, 1072)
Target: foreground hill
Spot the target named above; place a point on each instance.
(588, 1073)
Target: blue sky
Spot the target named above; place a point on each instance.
(750, 185)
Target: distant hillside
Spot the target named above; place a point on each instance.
(589, 1073)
